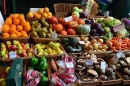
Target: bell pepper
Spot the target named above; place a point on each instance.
(34, 61)
(42, 66)
(43, 59)
(43, 73)
(30, 68)
(44, 80)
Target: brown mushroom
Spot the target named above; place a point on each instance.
(93, 72)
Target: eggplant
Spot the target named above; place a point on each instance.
(126, 21)
(93, 32)
(83, 15)
(96, 26)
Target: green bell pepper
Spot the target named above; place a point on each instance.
(43, 59)
(34, 61)
(44, 80)
(43, 73)
(30, 68)
(42, 66)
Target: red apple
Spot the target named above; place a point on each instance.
(24, 54)
(22, 44)
(3, 75)
(23, 51)
(12, 47)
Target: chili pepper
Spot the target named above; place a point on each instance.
(34, 61)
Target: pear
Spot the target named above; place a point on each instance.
(42, 34)
(45, 30)
(48, 35)
(59, 51)
(50, 29)
(34, 34)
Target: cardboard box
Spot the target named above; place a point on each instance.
(14, 78)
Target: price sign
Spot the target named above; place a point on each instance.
(35, 9)
(89, 62)
(12, 54)
(54, 35)
(67, 19)
(103, 65)
(119, 27)
(69, 64)
(120, 54)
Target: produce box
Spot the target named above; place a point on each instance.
(37, 69)
(49, 50)
(15, 49)
(14, 78)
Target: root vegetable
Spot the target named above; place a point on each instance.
(53, 66)
(104, 47)
(95, 46)
(100, 40)
(94, 41)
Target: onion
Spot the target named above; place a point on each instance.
(95, 46)
(109, 43)
(100, 40)
(104, 47)
(94, 41)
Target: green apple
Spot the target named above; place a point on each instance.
(20, 47)
(19, 51)
(15, 42)
(75, 13)
(43, 46)
(40, 53)
(2, 53)
(51, 44)
(49, 50)
(59, 51)
(8, 43)
(38, 46)
(45, 53)
(7, 70)
(76, 9)
(30, 54)
(58, 44)
(55, 47)
(40, 50)
(27, 45)
(80, 10)
(47, 46)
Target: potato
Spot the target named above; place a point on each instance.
(53, 66)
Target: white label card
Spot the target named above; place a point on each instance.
(119, 27)
(89, 62)
(103, 65)
(69, 64)
(35, 9)
(12, 54)
(81, 42)
(120, 54)
(54, 35)
(67, 19)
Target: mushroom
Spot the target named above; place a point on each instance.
(79, 68)
(92, 72)
(103, 77)
(81, 61)
(118, 66)
(113, 67)
(126, 71)
(125, 77)
(109, 71)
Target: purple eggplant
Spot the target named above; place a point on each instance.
(126, 21)
(96, 26)
(83, 15)
(100, 32)
(87, 21)
(93, 32)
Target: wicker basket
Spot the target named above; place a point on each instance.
(89, 83)
(62, 10)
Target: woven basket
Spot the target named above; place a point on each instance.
(62, 10)
(89, 83)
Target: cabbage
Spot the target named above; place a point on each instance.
(123, 33)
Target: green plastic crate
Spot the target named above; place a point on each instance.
(102, 6)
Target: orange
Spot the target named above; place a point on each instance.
(27, 27)
(46, 9)
(44, 15)
(12, 30)
(13, 26)
(8, 21)
(23, 23)
(21, 17)
(24, 34)
(49, 14)
(16, 21)
(13, 35)
(18, 34)
(36, 15)
(5, 28)
(15, 16)
(5, 35)
(19, 28)
(11, 15)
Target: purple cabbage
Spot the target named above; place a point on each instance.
(126, 21)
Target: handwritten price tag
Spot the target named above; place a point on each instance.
(120, 54)
(67, 19)
(119, 27)
(54, 35)
(103, 65)
(89, 62)
(69, 64)
(12, 54)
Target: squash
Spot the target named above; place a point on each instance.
(71, 32)
(63, 40)
(73, 41)
(57, 27)
(79, 48)
(69, 49)
(72, 24)
(83, 29)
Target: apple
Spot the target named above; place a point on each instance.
(19, 47)
(76, 9)
(1, 80)
(30, 54)
(19, 51)
(7, 70)
(29, 14)
(12, 47)
(80, 10)
(3, 83)
(75, 13)
(8, 43)
(2, 53)
(22, 44)
(43, 46)
(3, 75)
(38, 46)
(40, 50)
(24, 54)
(23, 51)
(15, 42)
(27, 45)
(45, 53)
(29, 50)
(24, 47)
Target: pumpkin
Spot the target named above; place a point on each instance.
(75, 18)
(72, 24)
(69, 49)
(83, 29)
(57, 27)
(71, 32)
(53, 20)
(62, 21)
(63, 33)
(73, 41)
(81, 21)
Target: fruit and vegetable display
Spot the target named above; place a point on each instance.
(36, 73)
(41, 29)
(71, 45)
(3, 75)
(51, 48)
(63, 72)
(15, 26)
(3, 51)
(41, 13)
